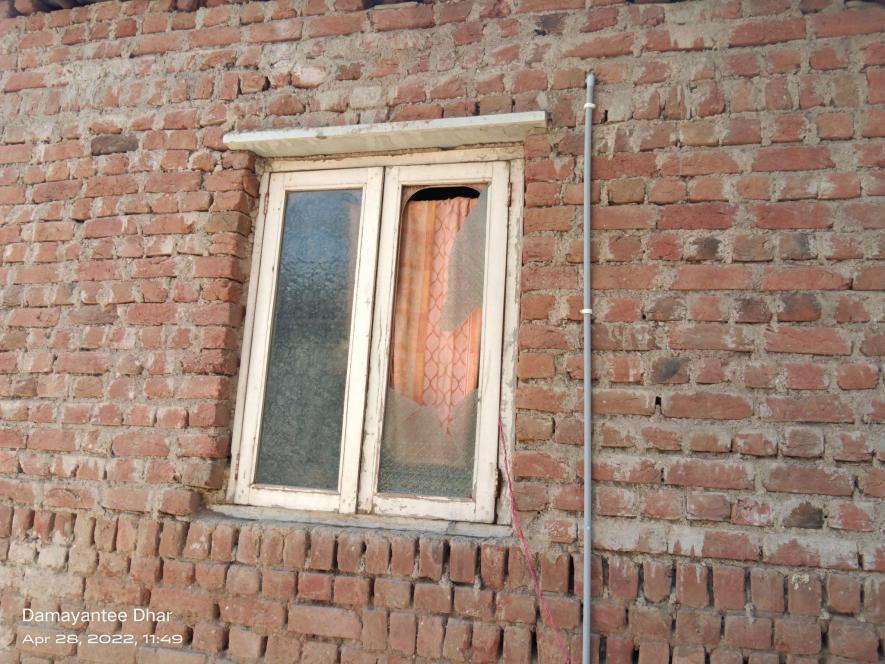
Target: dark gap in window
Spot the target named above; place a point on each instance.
(443, 193)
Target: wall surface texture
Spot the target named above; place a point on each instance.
(738, 336)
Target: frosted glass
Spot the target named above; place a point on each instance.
(301, 422)
(429, 429)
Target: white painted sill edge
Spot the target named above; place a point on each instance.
(445, 133)
(363, 521)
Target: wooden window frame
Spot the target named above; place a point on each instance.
(381, 180)
(264, 272)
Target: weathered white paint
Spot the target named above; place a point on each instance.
(462, 156)
(250, 403)
(482, 506)
(390, 136)
(370, 334)
(510, 347)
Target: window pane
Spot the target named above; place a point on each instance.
(307, 365)
(429, 430)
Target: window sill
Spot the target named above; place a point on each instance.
(364, 521)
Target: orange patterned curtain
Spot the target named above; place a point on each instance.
(431, 365)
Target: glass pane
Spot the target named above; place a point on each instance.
(307, 365)
(429, 432)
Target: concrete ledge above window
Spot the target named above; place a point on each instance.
(390, 136)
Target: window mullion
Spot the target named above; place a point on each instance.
(361, 326)
(380, 344)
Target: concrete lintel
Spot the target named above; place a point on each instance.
(390, 136)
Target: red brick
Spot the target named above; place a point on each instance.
(55, 191)
(653, 652)
(649, 623)
(796, 637)
(52, 440)
(728, 588)
(537, 464)
(623, 578)
(754, 633)
(462, 562)
(803, 279)
(393, 594)
(767, 591)
(804, 593)
(511, 607)
(402, 556)
(492, 561)
(703, 337)
(767, 32)
(456, 644)
(625, 402)
(853, 640)
(808, 480)
(618, 277)
(403, 633)
(850, 516)
(486, 642)
(870, 279)
(697, 627)
(808, 409)
(315, 587)
(603, 47)
(324, 621)
(431, 631)
(517, 646)
(156, 44)
(24, 81)
(431, 554)
(843, 594)
(245, 644)
(706, 406)
(623, 217)
(473, 603)
(820, 341)
(856, 21)
(186, 603)
(242, 580)
(275, 31)
(709, 216)
(792, 159)
(432, 598)
(403, 18)
(374, 629)
(350, 591)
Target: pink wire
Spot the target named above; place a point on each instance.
(517, 526)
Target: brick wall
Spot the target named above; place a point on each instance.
(738, 335)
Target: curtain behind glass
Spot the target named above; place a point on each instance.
(429, 430)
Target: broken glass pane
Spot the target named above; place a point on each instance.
(429, 430)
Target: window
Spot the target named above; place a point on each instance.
(372, 360)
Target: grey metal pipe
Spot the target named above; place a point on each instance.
(587, 313)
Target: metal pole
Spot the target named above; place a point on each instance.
(587, 313)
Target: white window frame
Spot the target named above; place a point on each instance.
(264, 276)
(371, 320)
(482, 506)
